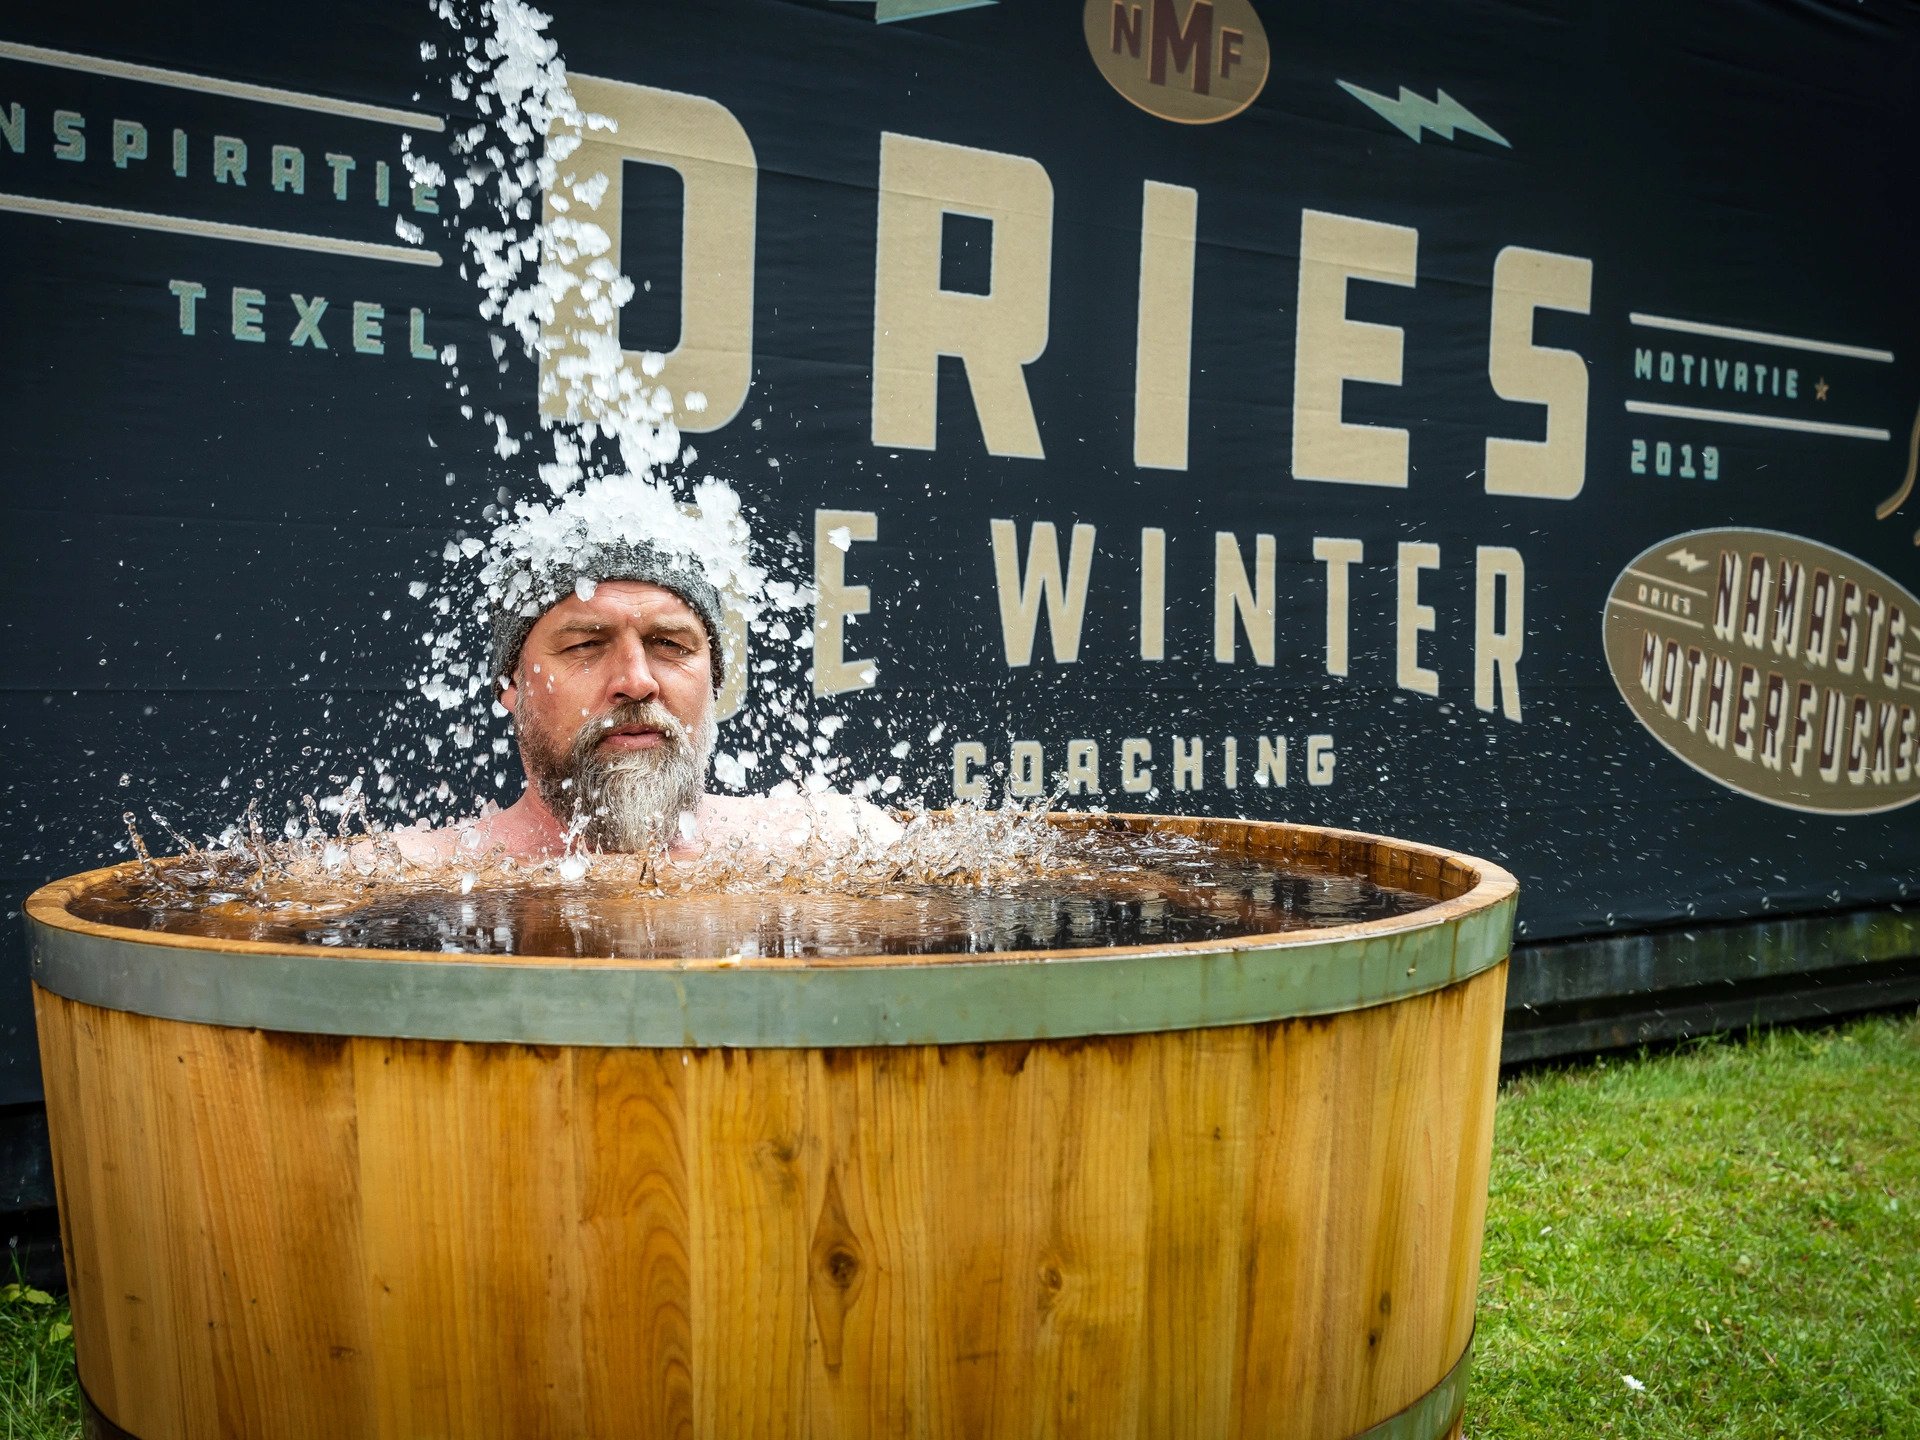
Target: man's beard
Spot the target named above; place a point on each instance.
(623, 800)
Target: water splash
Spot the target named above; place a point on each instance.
(326, 869)
(548, 285)
(974, 881)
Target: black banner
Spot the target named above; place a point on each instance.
(1482, 424)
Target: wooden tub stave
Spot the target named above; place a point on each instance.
(1269, 1227)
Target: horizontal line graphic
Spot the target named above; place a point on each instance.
(1670, 584)
(1758, 337)
(213, 85)
(1762, 422)
(216, 230)
(1661, 614)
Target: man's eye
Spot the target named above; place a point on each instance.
(581, 645)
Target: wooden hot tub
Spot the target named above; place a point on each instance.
(1232, 1189)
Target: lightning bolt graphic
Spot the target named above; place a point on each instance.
(1412, 113)
(1687, 560)
(885, 12)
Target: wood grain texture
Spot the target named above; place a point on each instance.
(1267, 1230)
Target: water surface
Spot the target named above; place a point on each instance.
(1079, 890)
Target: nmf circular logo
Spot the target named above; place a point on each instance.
(1191, 61)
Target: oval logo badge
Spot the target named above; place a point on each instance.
(1194, 61)
(1780, 667)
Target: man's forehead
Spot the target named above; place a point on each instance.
(619, 603)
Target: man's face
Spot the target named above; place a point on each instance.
(613, 706)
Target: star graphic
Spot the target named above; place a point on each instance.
(1820, 389)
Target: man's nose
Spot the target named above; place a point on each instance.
(631, 678)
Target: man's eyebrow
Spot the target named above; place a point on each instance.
(662, 627)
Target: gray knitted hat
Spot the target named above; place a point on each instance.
(551, 581)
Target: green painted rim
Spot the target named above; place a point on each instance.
(1052, 995)
(1435, 1413)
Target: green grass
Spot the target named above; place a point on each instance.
(38, 1398)
(1735, 1225)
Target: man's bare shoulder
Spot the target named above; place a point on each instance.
(445, 845)
(517, 832)
(793, 820)
(780, 821)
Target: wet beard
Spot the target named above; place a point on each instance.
(624, 800)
